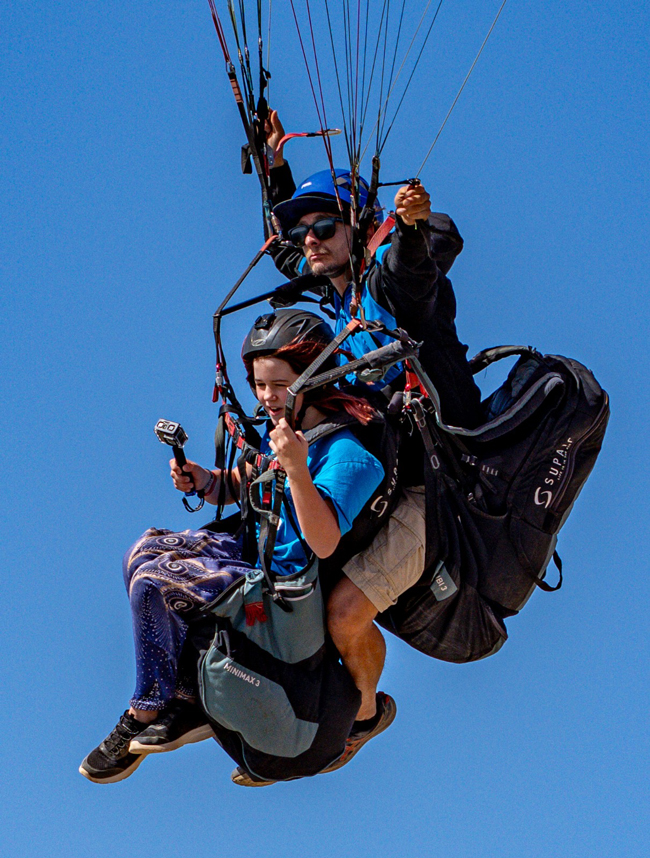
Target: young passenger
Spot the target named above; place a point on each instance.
(169, 575)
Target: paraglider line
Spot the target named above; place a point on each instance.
(467, 76)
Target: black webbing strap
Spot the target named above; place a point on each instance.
(531, 571)
(427, 439)
(434, 440)
(227, 475)
(274, 519)
(248, 520)
(547, 587)
(437, 542)
(366, 218)
(220, 459)
(379, 360)
(483, 359)
(448, 434)
(232, 427)
(269, 522)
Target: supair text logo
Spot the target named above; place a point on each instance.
(544, 496)
(380, 505)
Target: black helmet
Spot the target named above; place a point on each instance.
(282, 327)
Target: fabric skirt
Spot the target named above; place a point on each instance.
(169, 577)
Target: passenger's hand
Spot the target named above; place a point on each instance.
(274, 133)
(290, 448)
(412, 203)
(182, 482)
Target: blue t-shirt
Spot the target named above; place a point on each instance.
(343, 471)
(364, 341)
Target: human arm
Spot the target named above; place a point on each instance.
(446, 241)
(316, 515)
(194, 476)
(274, 133)
(281, 180)
(287, 259)
(421, 237)
(426, 309)
(413, 204)
(408, 270)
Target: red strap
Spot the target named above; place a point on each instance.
(286, 139)
(381, 234)
(412, 381)
(254, 613)
(240, 443)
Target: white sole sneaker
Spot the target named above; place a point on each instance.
(198, 734)
(242, 778)
(116, 778)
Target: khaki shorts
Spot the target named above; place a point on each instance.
(395, 560)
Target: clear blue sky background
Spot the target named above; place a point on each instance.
(125, 218)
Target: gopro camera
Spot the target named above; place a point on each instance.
(170, 433)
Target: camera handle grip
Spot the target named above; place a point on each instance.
(181, 461)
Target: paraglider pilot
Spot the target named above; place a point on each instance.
(407, 287)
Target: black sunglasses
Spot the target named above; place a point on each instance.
(323, 229)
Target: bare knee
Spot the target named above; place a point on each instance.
(349, 611)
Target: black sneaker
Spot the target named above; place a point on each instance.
(386, 710)
(112, 761)
(179, 723)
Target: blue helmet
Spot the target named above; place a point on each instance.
(318, 194)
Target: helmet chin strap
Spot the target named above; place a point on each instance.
(301, 414)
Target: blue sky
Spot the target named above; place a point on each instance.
(125, 219)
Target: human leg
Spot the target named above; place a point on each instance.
(350, 616)
(394, 561)
(364, 731)
(167, 577)
(165, 695)
(373, 581)
(156, 641)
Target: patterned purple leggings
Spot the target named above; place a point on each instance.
(168, 576)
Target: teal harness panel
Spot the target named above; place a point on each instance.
(255, 707)
(292, 636)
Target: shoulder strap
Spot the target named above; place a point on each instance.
(329, 426)
(268, 509)
(487, 356)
